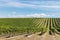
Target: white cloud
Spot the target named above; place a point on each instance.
(36, 4)
(29, 15)
(15, 4)
(34, 15)
(50, 7)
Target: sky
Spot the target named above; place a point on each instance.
(29, 8)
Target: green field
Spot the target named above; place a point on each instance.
(29, 25)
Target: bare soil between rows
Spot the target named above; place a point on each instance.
(35, 36)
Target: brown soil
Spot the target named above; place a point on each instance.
(35, 36)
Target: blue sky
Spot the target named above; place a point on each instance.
(29, 8)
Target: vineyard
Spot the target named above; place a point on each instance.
(18, 26)
(50, 25)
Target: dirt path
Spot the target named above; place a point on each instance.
(34, 37)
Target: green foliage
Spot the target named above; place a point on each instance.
(29, 25)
